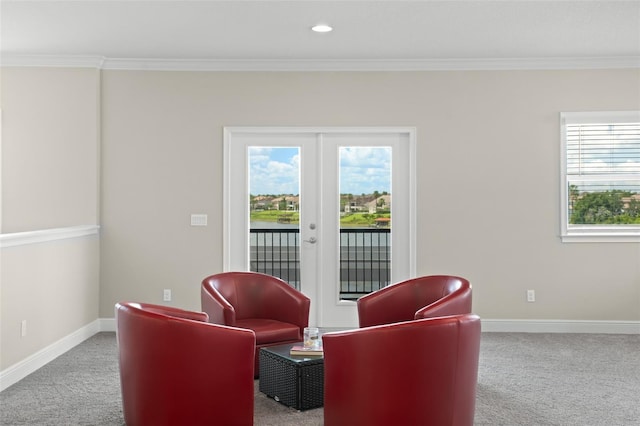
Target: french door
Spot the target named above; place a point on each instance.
(330, 210)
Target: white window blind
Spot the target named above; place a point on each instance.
(601, 174)
(603, 149)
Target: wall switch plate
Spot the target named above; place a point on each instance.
(198, 220)
(23, 328)
(166, 295)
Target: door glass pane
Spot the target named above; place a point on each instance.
(365, 220)
(274, 212)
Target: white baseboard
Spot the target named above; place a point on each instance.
(107, 324)
(561, 326)
(30, 364)
(22, 369)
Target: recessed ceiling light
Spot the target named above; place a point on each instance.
(322, 28)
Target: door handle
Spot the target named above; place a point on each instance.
(311, 240)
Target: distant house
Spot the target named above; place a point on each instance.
(353, 206)
(290, 203)
(626, 201)
(261, 202)
(383, 202)
(275, 202)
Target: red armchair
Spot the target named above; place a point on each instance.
(421, 372)
(177, 369)
(423, 297)
(276, 312)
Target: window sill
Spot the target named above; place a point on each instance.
(600, 237)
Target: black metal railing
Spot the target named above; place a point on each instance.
(365, 261)
(275, 252)
(365, 258)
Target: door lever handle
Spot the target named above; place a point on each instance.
(311, 240)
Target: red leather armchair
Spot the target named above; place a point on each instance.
(177, 369)
(421, 372)
(423, 297)
(276, 312)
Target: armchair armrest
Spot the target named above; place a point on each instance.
(456, 303)
(220, 311)
(171, 311)
(384, 306)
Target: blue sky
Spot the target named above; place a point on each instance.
(363, 170)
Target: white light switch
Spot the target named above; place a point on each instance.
(198, 220)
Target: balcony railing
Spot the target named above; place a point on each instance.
(365, 258)
(275, 252)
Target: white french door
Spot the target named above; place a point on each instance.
(310, 181)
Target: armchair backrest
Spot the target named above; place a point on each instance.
(421, 372)
(422, 297)
(175, 368)
(242, 295)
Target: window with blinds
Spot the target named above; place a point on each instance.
(601, 175)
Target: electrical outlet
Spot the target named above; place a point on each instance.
(23, 328)
(531, 295)
(166, 295)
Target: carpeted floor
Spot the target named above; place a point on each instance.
(523, 379)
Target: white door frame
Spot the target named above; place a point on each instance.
(236, 225)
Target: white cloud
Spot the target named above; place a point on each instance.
(273, 171)
(363, 170)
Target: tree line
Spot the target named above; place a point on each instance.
(605, 207)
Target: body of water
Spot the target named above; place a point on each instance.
(273, 225)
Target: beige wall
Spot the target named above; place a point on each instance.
(138, 151)
(50, 148)
(50, 179)
(54, 287)
(488, 178)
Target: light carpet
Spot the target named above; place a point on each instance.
(523, 379)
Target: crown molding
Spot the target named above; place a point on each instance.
(472, 64)
(62, 61)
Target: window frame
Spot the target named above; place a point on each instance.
(590, 233)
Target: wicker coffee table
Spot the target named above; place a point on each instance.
(295, 381)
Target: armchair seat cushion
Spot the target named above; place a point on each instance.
(270, 331)
(275, 311)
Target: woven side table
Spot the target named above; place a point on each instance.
(294, 381)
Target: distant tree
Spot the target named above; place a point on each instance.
(634, 209)
(574, 193)
(598, 207)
